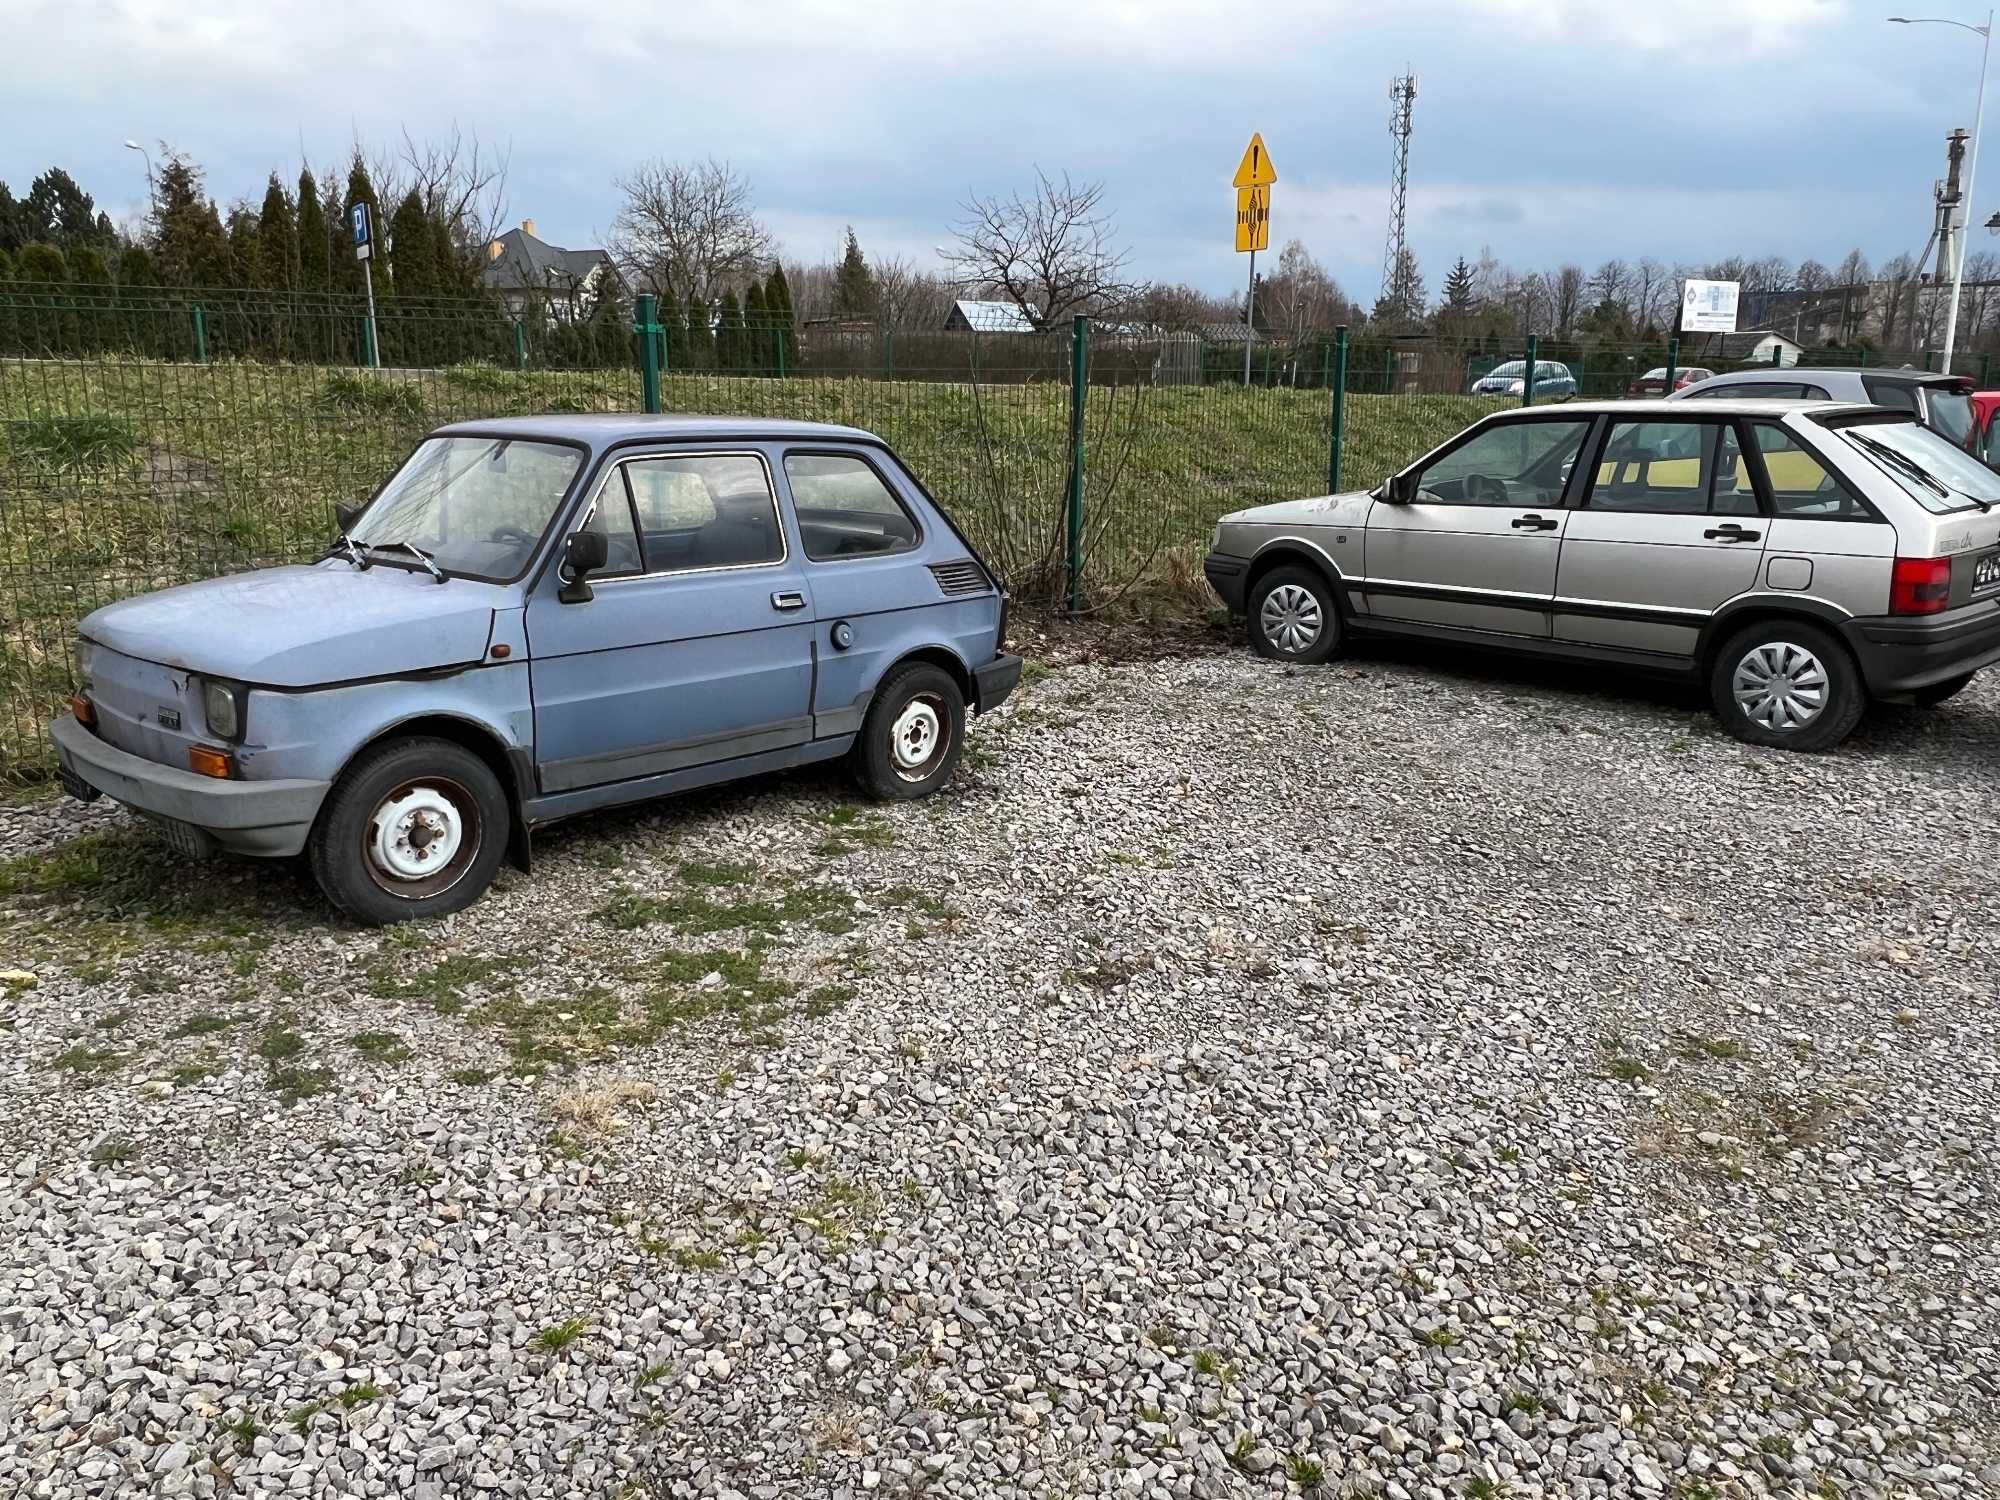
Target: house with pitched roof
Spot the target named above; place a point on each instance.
(530, 274)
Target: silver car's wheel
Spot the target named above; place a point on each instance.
(1780, 686)
(1292, 619)
(1788, 684)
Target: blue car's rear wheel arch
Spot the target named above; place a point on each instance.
(415, 827)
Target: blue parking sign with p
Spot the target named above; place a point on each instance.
(358, 215)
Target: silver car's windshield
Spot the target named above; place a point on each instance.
(476, 506)
(1926, 467)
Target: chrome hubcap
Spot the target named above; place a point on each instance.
(913, 738)
(1781, 686)
(416, 834)
(1290, 618)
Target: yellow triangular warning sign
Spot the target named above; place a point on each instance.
(1256, 169)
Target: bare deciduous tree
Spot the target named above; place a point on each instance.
(691, 226)
(461, 182)
(1051, 253)
(1608, 283)
(1302, 297)
(1565, 286)
(906, 297)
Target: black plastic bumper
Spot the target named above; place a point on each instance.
(1226, 575)
(1902, 655)
(993, 682)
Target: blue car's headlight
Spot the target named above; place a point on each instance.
(222, 707)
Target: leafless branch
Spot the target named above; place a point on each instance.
(1051, 253)
(691, 226)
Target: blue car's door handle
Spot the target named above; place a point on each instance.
(788, 599)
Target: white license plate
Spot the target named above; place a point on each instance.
(1986, 574)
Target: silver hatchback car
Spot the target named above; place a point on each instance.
(1799, 558)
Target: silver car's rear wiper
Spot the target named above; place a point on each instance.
(418, 553)
(1909, 466)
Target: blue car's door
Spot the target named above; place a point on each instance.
(697, 646)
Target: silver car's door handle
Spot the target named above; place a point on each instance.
(788, 599)
(1730, 533)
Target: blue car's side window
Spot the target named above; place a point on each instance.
(845, 509)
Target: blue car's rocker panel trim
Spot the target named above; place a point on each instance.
(675, 755)
(547, 809)
(247, 817)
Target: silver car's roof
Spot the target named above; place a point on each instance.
(1714, 406)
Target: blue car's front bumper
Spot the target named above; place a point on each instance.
(269, 818)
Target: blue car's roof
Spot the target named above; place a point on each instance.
(602, 430)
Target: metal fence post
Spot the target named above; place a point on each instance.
(1079, 388)
(648, 329)
(1673, 363)
(1985, 371)
(1338, 425)
(520, 346)
(1528, 375)
(200, 334)
(780, 332)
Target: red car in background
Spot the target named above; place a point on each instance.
(1985, 439)
(1654, 381)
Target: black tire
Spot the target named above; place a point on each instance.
(1325, 616)
(1938, 692)
(445, 787)
(1773, 652)
(920, 707)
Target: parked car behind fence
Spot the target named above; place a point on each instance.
(1553, 380)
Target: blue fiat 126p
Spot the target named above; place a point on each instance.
(535, 618)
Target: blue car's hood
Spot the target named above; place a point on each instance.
(303, 626)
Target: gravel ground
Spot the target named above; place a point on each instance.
(1400, 1078)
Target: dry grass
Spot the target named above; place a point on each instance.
(596, 1112)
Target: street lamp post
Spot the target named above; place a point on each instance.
(1985, 34)
(152, 196)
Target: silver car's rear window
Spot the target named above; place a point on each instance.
(1926, 467)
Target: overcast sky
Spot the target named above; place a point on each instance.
(1550, 130)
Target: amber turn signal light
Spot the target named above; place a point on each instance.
(81, 710)
(206, 760)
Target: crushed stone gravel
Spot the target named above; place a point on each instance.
(1409, 1077)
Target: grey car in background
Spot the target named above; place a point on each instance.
(1799, 559)
(1553, 380)
(1941, 402)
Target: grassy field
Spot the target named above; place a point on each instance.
(118, 476)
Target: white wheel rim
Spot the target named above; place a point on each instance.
(913, 738)
(1780, 686)
(416, 834)
(1291, 618)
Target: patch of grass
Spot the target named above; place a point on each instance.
(1628, 1070)
(343, 390)
(697, 915)
(1306, 1472)
(471, 1077)
(113, 1151)
(115, 1019)
(293, 1084)
(203, 1065)
(245, 1429)
(280, 1043)
(1033, 670)
(203, 1023)
(384, 1047)
(90, 1061)
(1210, 1363)
(825, 999)
(301, 1416)
(83, 440)
(359, 1395)
(717, 872)
(1439, 1337)
(1521, 1401)
(442, 985)
(559, 1336)
(1777, 1443)
(1693, 1048)
(1481, 1487)
(695, 1258)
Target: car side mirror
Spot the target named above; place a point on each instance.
(344, 516)
(583, 554)
(1400, 489)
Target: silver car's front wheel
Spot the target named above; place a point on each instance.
(1292, 616)
(1291, 619)
(1780, 685)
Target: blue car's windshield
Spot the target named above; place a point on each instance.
(477, 506)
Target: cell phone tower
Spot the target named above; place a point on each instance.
(1396, 289)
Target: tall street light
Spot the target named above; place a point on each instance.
(1985, 34)
(151, 195)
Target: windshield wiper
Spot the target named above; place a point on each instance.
(1909, 466)
(417, 552)
(345, 543)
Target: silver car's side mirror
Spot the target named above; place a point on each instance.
(1398, 489)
